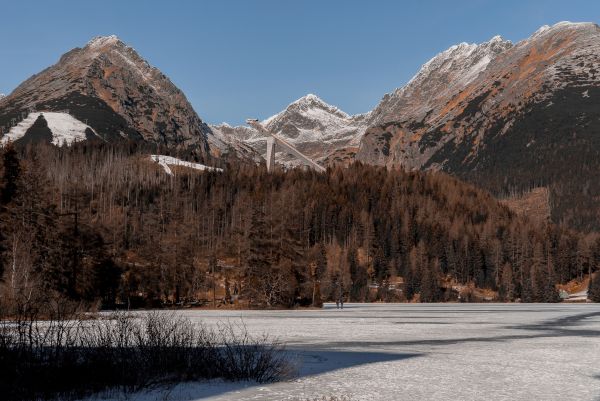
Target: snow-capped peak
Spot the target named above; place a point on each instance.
(101, 41)
(2, 96)
(307, 104)
(496, 39)
(312, 101)
(540, 30)
(469, 58)
(309, 98)
(546, 29)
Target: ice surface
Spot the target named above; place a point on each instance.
(420, 352)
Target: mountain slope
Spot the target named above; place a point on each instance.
(443, 76)
(109, 87)
(530, 119)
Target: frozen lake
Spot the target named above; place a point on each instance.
(423, 352)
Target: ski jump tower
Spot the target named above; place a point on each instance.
(273, 140)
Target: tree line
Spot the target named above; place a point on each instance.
(103, 224)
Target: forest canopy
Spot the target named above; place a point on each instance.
(104, 225)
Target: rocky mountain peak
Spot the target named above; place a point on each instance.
(109, 85)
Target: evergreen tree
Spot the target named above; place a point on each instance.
(358, 276)
(10, 174)
(594, 288)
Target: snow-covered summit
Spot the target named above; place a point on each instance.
(101, 41)
(465, 59)
(561, 26)
(447, 72)
(311, 106)
(313, 101)
(2, 96)
(313, 126)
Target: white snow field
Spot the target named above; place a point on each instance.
(420, 352)
(65, 128)
(166, 161)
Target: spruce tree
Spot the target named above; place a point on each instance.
(10, 175)
(594, 289)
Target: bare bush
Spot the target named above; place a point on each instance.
(43, 359)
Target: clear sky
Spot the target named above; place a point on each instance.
(241, 58)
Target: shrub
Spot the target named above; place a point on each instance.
(75, 357)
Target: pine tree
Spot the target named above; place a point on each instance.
(430, 286)
(259, 258)
(11, 170)
(11, 173)
(317, 266)
(594, 288)
(358, 276)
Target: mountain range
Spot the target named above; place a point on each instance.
(507, 117)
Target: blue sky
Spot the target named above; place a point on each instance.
(240, 58)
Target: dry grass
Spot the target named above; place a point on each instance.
(534, 204)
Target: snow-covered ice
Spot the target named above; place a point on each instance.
(166, 161)
(421, 352)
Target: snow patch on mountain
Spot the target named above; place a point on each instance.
(166, 161)
(19, 130)
(65, 128)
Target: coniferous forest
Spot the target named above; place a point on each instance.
(105, 226)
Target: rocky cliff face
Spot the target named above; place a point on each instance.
(109, 87)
